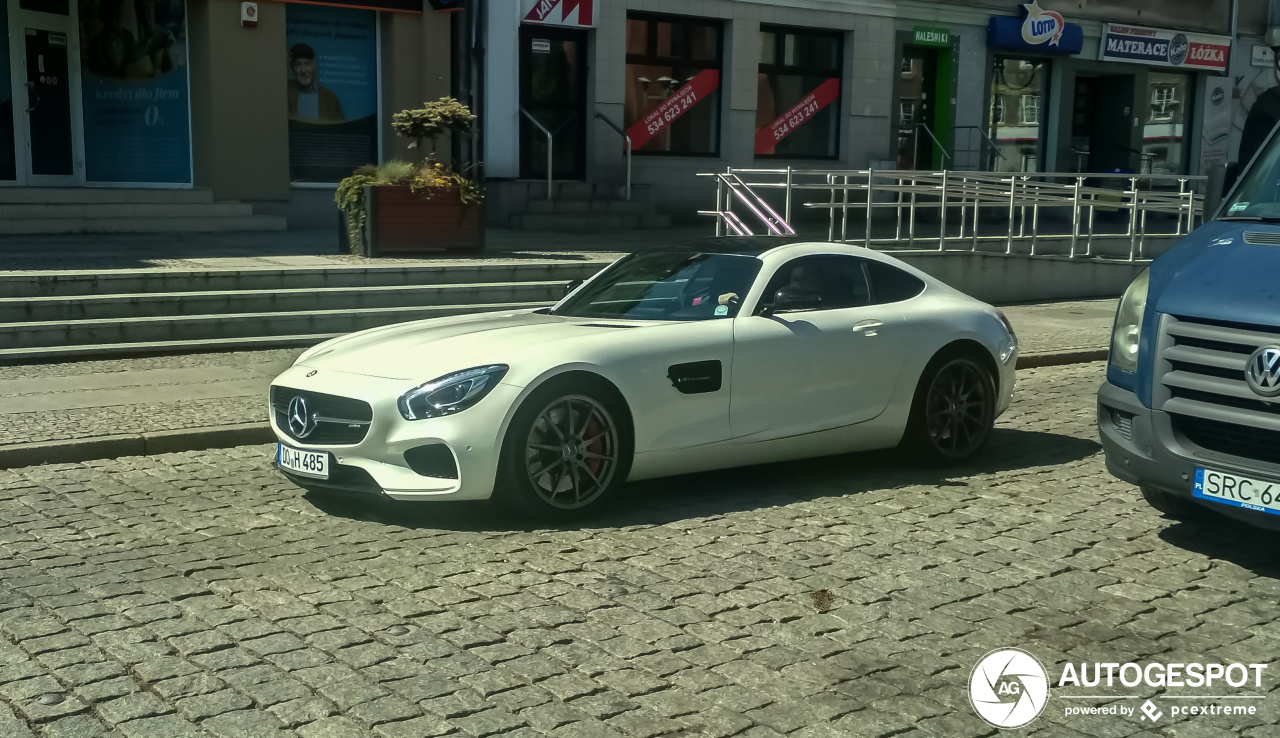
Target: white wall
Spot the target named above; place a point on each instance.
(502, 90)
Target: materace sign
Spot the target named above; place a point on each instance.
(767, 138)
(1164, 48)
(572, 13)
(681, 101)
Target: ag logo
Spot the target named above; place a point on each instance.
(1008, 688)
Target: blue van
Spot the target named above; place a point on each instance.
(1190, 410)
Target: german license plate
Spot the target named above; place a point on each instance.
(1237, 491)
(306, 463)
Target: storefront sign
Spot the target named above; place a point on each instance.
(332, 91)
(576, 13)
(1263, 56)
(1215, 131)
(680, 102)
(1038, 30)
(1164, 48)
(767, 138)
(924, 36)
(137, 116)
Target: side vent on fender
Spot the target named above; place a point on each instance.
(696, 377)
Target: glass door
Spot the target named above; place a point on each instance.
(917, 108)
(553, 89)
(44, 57)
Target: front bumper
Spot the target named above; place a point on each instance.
(377, 465)
(1151, 456)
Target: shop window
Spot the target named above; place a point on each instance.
(672, 103)
(1164, 135)
(798, 94)
(1018, 84)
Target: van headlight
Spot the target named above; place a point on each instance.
(451, 393)
(1127, 333)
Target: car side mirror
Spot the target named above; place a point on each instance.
(570, 287)
(792, 298)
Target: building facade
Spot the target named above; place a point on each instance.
(269, 103)
(700, 85)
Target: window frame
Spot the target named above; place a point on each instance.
(651, 58)
(780, 68)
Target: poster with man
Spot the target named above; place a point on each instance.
(333, 91)
(137, 116)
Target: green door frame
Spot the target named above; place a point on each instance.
(944, 42)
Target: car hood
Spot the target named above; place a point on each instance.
(1214, 274)
(426, 349)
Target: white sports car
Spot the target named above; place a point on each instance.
(700, 356)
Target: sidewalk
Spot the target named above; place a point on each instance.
(170, 402)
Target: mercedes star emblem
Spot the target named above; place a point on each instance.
(301, 423)
(1263, 371)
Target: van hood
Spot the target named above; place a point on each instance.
(1214, 274)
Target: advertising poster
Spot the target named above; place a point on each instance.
(784, 125)
(1164, 48)
(333, 91)
(679, 103)
(137, 119)
(8, 160)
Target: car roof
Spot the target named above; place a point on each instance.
(745, 245)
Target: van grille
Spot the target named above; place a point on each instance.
(1262, 238)
(1200, 383)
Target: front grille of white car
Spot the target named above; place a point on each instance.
(338, 421)
(1200, 383)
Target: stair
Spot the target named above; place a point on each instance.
(128, 312)
(584, 207)
(39, 210)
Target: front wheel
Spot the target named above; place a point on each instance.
(1176, 508)
(953, 411)
(567, 451)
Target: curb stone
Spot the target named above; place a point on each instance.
(246, 434)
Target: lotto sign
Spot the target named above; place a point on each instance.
(680, 102)
(767, 138)
(1164, 48)
(576, 13)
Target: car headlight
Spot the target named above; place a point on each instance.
(1127, 332)
(451, 393)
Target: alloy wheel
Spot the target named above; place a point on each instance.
(571, 454)
(958, 409)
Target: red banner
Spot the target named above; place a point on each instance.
(767, 138)
(541, 12)
(673, 107)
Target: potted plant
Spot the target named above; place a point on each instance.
(401, 208)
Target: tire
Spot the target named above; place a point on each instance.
(567, 450)
(953, 410)
(1174, 507)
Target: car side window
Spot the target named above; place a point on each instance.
(840, 281)
(891, 284)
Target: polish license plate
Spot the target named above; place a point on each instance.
(305, 463)
(1237, 491)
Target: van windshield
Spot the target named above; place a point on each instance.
(1258, 196)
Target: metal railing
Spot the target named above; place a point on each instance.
(1027, 213)
(936, 143)
(546, 133)
(625, 138)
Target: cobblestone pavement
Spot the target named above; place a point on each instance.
(1048, 327)
(200, 594)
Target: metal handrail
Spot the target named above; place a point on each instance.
(936, 142)
(994, 146)
(546, 133)
(626, 138)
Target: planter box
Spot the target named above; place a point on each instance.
(401, 223)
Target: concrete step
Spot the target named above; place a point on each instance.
(100, 351)
(531, 189)
(205, 328)
(96, 195)
(174, 304)
(202, 224)
(95, 211)
(583, 207)
(588, 222)
(158, 281)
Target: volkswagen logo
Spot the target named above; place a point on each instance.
(1263, 371)
(301, 423)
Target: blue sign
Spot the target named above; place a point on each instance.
(137, 116)
(1038, 30)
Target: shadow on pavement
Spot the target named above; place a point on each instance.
(659, 501)
(1225, 539)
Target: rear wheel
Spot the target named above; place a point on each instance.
(567, 451)
(954, 409)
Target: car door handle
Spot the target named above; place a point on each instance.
(868, 327)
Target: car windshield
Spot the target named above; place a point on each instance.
(1258, 196)
(666, 285)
